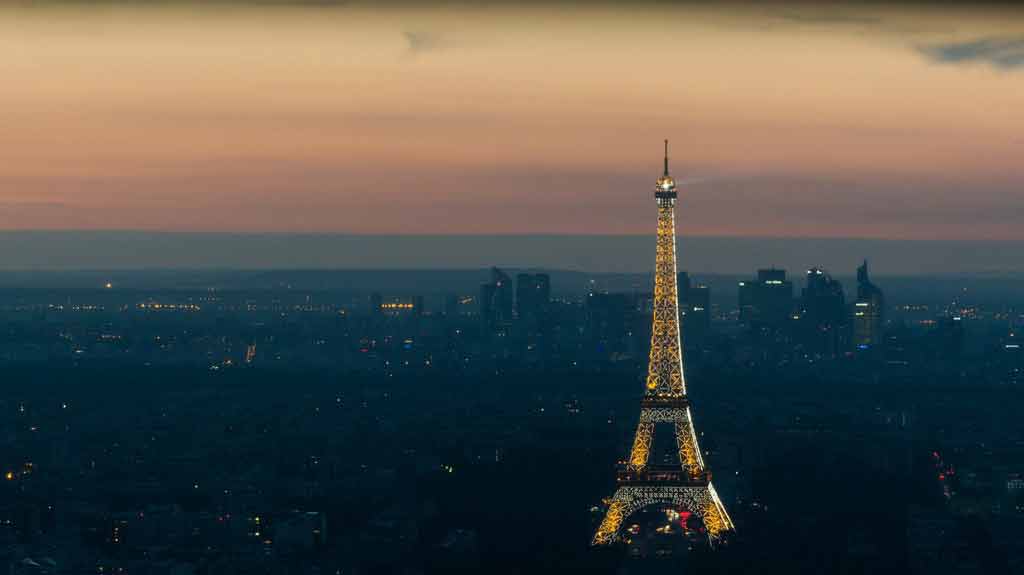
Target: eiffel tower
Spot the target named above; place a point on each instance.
(686, 484)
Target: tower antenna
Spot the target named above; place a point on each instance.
(666, 157)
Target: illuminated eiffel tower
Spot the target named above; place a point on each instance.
(685, 484)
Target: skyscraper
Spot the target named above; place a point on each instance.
(697, 321)
(496, 300)
(868, 311)
(533, 294)
(823, 326)
(607, 315)
(694, 309)
(683, 284)
(766, 302)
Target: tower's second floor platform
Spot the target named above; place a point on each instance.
(664, 402)
(662, 475)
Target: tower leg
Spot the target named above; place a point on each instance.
(716, 520)
(612, 521)
(686, 441)
(641, 446)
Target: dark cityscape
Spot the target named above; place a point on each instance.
(854, 424)
(351, 287)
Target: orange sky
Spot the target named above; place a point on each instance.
(785, 120)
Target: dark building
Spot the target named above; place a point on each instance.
(868, 311)
(949, 339)
(533, 295)
(683, 289)
(451, 305)
(694, 310)
(697, 321)
(823, 314)
(766, 302)
(496, 299)
(607, 318)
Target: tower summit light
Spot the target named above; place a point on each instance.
(684, 484)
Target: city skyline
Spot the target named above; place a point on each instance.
(788, 120)
(104, 250)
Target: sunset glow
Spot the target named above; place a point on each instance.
(840, 121)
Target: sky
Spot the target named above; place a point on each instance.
(900, 122)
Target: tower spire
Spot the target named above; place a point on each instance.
(665, 187)
(666, 157)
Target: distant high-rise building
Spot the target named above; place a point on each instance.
(683, 281)
(868, 311)
(823, 313)
(745, 303)
(496, 299)
(607, 315)
(451, 305)
(768, 300)
(533, 295)
(697, 321)
(694, 309)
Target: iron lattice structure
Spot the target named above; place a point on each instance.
(686, 485)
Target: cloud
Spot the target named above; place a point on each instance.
(862, 19)
(829, 17)
(244, 3)
(419, 42)
(30, 205)
(1001, 52)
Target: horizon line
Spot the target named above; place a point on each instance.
(476, 234)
